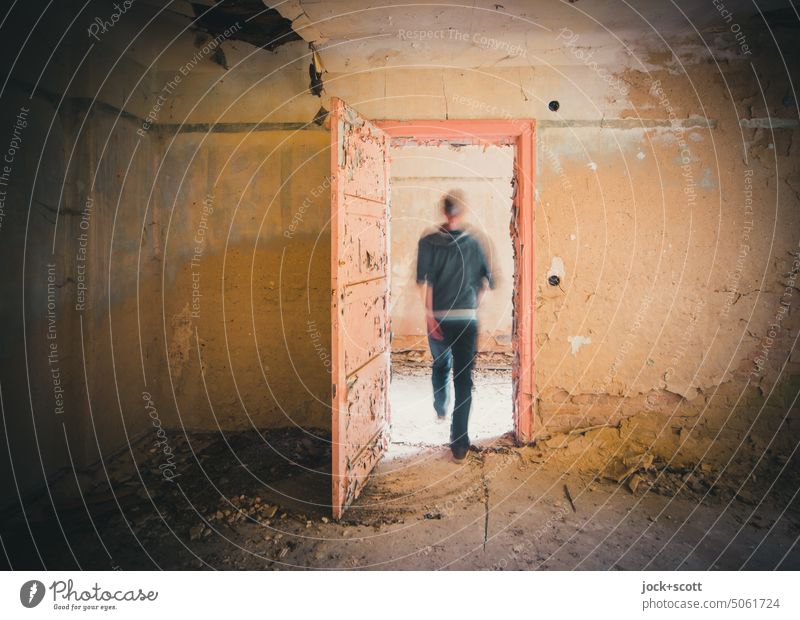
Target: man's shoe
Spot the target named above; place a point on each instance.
(441, 418)
(459, 453)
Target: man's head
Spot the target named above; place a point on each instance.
(454, 208)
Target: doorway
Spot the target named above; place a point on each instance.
(360, 299)
(419, 176)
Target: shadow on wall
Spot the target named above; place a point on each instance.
(264, 348)
(197, 282)
(255, 292)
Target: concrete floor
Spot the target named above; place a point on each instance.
(504, 508)
(414, 425)
(261, 500)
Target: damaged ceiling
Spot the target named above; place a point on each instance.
(258, 24)
(356, 35)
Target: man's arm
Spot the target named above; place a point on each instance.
(486, 275)
(426, 290)
(434, 330)
(482, 291)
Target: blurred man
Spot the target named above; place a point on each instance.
(453, 271)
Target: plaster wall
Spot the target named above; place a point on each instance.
(670, 210)
(643, 206)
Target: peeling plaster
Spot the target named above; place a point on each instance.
(576, 342)
(707, 181)
(684, 390)
(556, 267)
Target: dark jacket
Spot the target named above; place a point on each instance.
(454, 264)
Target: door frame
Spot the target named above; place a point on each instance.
(521, 134)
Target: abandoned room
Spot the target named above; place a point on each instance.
(217, 342)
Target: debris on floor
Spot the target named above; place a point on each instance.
(260, 499)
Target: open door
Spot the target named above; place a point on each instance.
(360, 300)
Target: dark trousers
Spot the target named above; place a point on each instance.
(455, 352)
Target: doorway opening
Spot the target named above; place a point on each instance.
(360, 280)
(419, 175)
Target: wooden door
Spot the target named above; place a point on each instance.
(360, 300)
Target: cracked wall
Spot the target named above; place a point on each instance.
(673, 207)
(695, 322)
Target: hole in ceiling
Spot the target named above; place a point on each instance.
(259, 25)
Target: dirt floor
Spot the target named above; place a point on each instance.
(258, 500)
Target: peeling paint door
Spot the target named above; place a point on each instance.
(360, 303)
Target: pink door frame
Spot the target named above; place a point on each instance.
(521, 134)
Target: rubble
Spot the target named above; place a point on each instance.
(238, 506)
